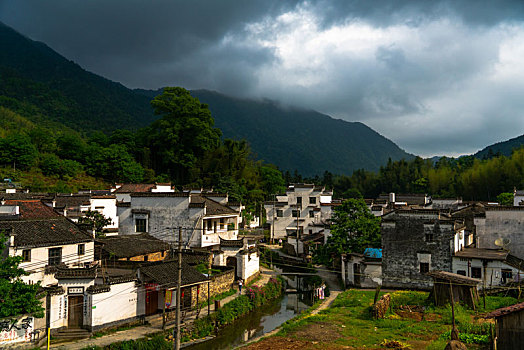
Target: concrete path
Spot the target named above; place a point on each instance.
(155, 323)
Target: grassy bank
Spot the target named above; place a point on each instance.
(412, 322)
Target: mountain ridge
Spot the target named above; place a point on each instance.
(45, 87)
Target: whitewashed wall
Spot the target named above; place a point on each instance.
(120, 303)
(40, 258)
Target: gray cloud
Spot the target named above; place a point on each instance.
(437, 77)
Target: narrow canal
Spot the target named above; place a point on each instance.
(259, 322)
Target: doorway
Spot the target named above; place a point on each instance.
(75, 312)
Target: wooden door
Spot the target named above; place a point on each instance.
(356, 274)
(151, 302)
(75, 312)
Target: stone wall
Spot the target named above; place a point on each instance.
(404, 247)
(220, 283)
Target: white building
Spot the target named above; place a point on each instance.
(204, 218)
(494, 267)
(45, 239)
(305, 208)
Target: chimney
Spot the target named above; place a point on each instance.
(392, 197)
(12, 237)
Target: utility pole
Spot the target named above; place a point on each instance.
(298, 217)
(273, 223)
(176, 344)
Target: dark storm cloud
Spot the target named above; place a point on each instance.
(437, 77)
(124, 40)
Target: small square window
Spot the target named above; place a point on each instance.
(312, 200)
(280, 213)
(424, 268)
(81, 249)
(54, 256)
(146, 257)
(140, 225)
(26, 255)
(311, 214)
(299, 200)
(430, 237)
(476, 272)
(294, 213)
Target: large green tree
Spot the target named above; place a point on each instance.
(353, 228)
(182, 137)
(16, 297)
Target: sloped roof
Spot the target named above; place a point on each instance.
(33, 209)
(505, 310)
(69, 201)
(165, 274)
(482, 253)
(453, 277)
(131, 188)
(212, 207)
(64, 272)
(126, 246)
(45, 232)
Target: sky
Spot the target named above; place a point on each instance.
(436, 77)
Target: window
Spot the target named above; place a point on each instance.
(461, 272)
(424, 268)
(222, 226)
(312, 200)
(506, 275)
(476, 272)
(310, 232)
(55, 256)
(81, 249)
(214, 226)
(146, 257)
(294, 213)
(429, 237)
(311, 214)
(140, 225)
(26, 255)
(299, 200)
(280, 213)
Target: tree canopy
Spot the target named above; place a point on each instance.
(16, 297)
(353, 229)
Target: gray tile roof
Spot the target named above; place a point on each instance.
(165, 274)
(45, 232)
(127, 246)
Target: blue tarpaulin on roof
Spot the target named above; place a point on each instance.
(373, 253)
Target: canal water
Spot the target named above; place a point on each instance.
(268, 317)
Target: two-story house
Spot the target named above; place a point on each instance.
(305, 209)
(415, 242)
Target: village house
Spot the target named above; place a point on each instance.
(362, 270)
(44, 239)
(305, 209)
(141, 247)
(158, 286)
(74, 206)
(494, 267)
(415, 242)
(501, 224)
(206, 221)
(204, 218)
